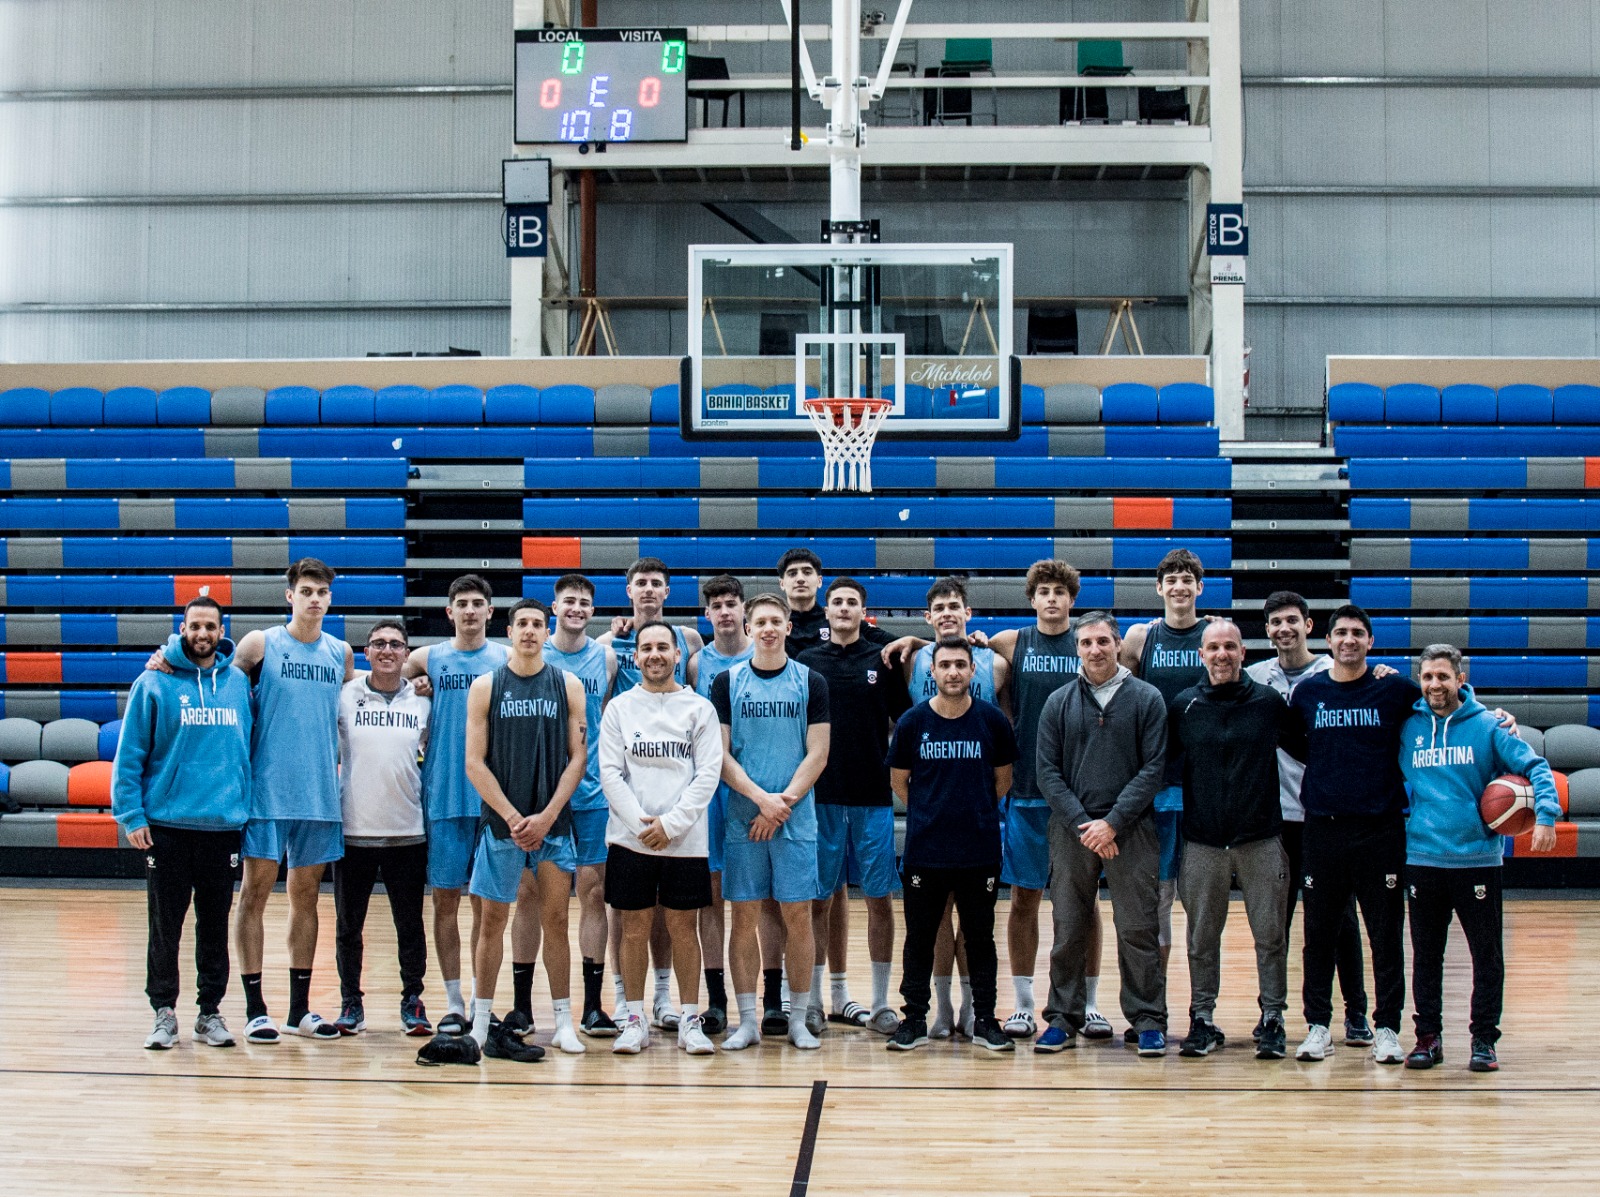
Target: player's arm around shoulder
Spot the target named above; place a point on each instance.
(1003, 645)
(250, 651)
(1133, 647)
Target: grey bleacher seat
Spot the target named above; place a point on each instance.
(70, 741)
(1532, 737)
(1583, 794)
(19, 740)
(1572, 746)
(242, 406)
(39, 783)
(1071, 403)
(622, 403)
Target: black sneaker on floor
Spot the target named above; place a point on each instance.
(1483, 1057)
(913, 1033)
(1255, 1031)
(449, 1049)
(774, 1022)
(1428, 1052)
(714, 1021)
(352, 1018)
(414, 1016)
(502, 1045)
(517, 1024)
(597, 1024)
(1130, 1038)
(1203, 1039)
(1272, 1044)
(1357, 1031)
(454, 1024)
(986, 1033)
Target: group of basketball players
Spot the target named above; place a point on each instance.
(658, 776)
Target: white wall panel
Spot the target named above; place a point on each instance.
(1543, 247)
(1542, 137)
(1434, 247)
(1435, 39)
(1541, 37)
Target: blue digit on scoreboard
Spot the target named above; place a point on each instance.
(601, 85)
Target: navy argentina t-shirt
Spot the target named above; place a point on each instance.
(953, 816)
(1352, 748)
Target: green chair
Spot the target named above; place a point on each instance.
(963, 58)
(1095, 57)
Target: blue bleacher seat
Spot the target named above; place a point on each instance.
(1355, 403)
(1032, 404)
(568, 403)
(107, 743)
(184, 406)
(1185, 403)
(455, 403)
(292, 405)
(98, 705)
(512, 403)
(80, 407)
(1129, 403)
(131, 406)
(25, 407)
(919, 400)
(664, 404)
(403, 405)
(1467, 403)
(348, 405)
(1576, 403)
(1524, 403)
(1411, 403)
(1465, 440)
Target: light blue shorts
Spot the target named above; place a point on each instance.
(716, 825)
(303, 841)
(782, 869)
(1169, 827)
(589, 835)
(497, 865)
(451, 843)
(1025, 845)
(855, 844)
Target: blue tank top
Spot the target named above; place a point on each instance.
(923, 687)
(767, 735)
(713, 665)
(1171, 663)
(588, 664)
(1040, 665)
(294, 749)
(446, 792)
(628, 672)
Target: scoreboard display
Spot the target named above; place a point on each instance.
(601, 85)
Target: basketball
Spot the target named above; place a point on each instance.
(1507, 805)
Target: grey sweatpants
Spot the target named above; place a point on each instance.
(1262, 868)
(1074, 893)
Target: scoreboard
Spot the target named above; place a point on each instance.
(601, 85)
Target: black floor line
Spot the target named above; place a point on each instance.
(808, 1140)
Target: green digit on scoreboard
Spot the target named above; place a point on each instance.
(673, 56)
(572, 58)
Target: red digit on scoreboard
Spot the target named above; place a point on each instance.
(649, 91)
(550, 93)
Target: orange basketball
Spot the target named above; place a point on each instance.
(1507, 805)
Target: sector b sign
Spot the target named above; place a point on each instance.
(1227, 241)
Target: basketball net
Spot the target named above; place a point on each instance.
(848, 428)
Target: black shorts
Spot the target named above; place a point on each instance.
(639, 880)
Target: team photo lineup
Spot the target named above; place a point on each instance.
(710, 804)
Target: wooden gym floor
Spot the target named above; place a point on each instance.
(84, 1108)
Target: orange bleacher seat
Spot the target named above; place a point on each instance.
(89, 784)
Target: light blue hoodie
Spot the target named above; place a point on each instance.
(1448, 760)
(184, 756)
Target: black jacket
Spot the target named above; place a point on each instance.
(1229, 734)
(1095, 764)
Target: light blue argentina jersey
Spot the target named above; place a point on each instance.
(923, 687)
(446, 792)
(628, 672)
(589, 665)
(294, 747)
(767, 733)
(713, 665)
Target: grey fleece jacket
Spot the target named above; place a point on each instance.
(1096, 764)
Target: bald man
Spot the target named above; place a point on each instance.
(1226, 730)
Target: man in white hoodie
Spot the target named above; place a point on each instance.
(660, 759)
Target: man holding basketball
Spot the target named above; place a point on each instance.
(1451, 748)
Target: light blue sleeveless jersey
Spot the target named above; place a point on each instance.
(446, 792)
(589, 665)
(294, 749)
(713, 665)
(767, 734)
(923, 686)
(628, 672)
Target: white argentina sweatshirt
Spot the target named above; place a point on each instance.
(660, 754)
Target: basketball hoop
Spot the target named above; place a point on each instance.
(848, 428)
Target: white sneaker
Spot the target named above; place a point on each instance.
(260, 1030)
(692, 1038)
(1318, 1045)
(1019, 1025)
(210, 1030)
(746, 1034)
(313, 1026)
(164, 1033)
(634, 1039)
(1386, 1046)
(884, 1021)
(566, 1040)
(801, 1036)
(665, 1016)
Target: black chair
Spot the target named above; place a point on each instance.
(1052, 330)
(924, 333)
(1163, 105)
(778, 331)
(703, 67)
(1089, 103)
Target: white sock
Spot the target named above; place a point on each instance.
(472, 1002)
(634, 1009)
(941, 996)
(452, 993)
(663, 986)
(690, 1010)
(1024, 988)
(621, 992)
(817, 972)
(747, 1008)
(802, 1002)
(840, 985)
(1091, 986)
(966, 994)
(785, 994)
(480, 1019)
(880, 985)
(563, 1012)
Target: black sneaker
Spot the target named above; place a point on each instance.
(502, 1045)
(1273, 1042)
(352, 1018)
(1203, 1038)
(1255, 1031)
(449, 1049)
(1428, 1052)
(774, 1022)
(986, 1033)
(454, 1024)
(714, 1021)
(597, 1024)
(414, 1016)
(1483, 1057)
(1130, 1038)
(1357, 1031)
(913, 1033)
(516, 1024)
